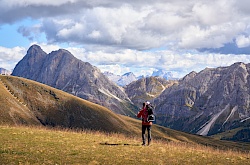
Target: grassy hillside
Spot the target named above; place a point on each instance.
(30, 103)
(30, 145)
(237, 134)
(26, 102)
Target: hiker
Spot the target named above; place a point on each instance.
(143, 113)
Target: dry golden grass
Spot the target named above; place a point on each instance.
(31, 103)
(30, 145)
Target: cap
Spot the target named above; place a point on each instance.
(148, 102)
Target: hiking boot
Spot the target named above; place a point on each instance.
(143, 144)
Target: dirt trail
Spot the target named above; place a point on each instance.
(7, 88)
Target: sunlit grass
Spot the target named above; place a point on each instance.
(29, 145)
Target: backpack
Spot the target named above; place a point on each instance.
(151, 116)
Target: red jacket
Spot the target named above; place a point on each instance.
(143, 113)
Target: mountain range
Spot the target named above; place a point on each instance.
(127, 78)
(211, 102)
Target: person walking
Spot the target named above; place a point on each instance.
(146, 125)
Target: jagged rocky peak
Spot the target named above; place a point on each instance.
(61, 52)
(239, 64)
(189, 76)
(31, 63)
(60, 69)
(35, 51)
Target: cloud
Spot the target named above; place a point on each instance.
(243, 41)
(195, 37)
(31, 33)
(16, 10)
(214, 12)
(9, 57)
(102, 26)
(144, 35)
(243, 6)
(117, 69)
(180, 64)
(48, 48)
(144, 63)
(140, 25)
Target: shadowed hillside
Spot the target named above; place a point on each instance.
(26, 102)
(31, 103)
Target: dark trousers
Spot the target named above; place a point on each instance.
(144, 127)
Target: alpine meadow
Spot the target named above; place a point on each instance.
(44, 125)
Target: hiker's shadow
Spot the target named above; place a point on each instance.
(118, 144)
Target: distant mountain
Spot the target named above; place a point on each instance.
(5, 71)
(113, 77)
(164, 74)
(147, 88)
(129, 77)
(209, 102)
(60, 69)
(122, 80)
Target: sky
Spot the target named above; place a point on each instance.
(139, 36)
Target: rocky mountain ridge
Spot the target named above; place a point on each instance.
(147, 88)
(60, 69)
(209, 102)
